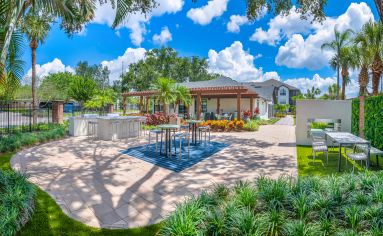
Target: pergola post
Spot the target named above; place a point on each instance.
(218, 105)
(251, 106)
(147, 105)
(198, 106)
(124, 106)
(238, 106)
(141, 104)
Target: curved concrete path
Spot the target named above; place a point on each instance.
(97, 185)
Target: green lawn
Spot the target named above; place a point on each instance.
(49, 219)
(306, 165)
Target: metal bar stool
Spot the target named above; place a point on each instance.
(115, 126)
(155, 132)
(183, 134)
(204, 130)
(92, 129)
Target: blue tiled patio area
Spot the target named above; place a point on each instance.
(175, 163)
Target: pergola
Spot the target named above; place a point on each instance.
(238, 92)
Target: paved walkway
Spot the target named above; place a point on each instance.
(97, 185)
(288, 120)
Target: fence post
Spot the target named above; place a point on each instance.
(30, 117)
(8, 118)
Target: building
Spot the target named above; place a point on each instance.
(226, 96)
(276, 91)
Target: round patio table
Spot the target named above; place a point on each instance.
(168, 141)
(193, 124)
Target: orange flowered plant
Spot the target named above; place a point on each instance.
(224, 125)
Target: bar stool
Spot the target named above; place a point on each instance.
(128, 127)
(204, 130)
(142, 121)
(115, 126)
(182, 135)
(156, 132)
(92, 129)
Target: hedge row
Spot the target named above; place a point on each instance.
(16, 141)
(373, 126)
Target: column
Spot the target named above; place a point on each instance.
(198, 106)
(218, 105)
(58, 112)
(147, 105)
(141, 104)
(239, 106)
(110, 108)
(251, 106)
(124, 105)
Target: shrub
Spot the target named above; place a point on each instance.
(252, 125)
(349, 204)
(318, 125)
(16, 141)
(373, 127)
(16, 201)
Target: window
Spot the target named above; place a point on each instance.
(282, 101)
(282, 92)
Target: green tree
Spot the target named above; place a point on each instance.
(56, 86)
(372, 37)
(182, 95)
(36, 26)
(313, 92)
(100, 99)
(331, 93)
(82, 89)
(346, 61)
(99, 73)
(342, 39)
(166, 92)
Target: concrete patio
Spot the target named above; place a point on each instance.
(97, 185)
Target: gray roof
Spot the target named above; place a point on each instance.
(219, 82)
(263, 92)
(274, 83)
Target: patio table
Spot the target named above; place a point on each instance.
(343, 139)
(193, 124)
(168, 142)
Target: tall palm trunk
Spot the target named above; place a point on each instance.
(345, 75)
(337, 80)
(33, 44)
(363, 80)
(377, 69)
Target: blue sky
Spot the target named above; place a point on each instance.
(278, 47)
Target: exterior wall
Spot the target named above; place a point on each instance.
(283, 99)
(229, 105)
(321, 109)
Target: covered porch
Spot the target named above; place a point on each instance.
(235, 99)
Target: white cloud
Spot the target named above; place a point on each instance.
(237, 64)
(271, 75)
(282, 26)
(204, 15)
(131, 55)
(136, 23)
(301, 52)
(52, 67)
(236, 21)
(164, 37)
(317, 81)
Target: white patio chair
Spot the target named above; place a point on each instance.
(155, 132)
(360, 154)
(319, 145)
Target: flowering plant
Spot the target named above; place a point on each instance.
(247, 113)
(257, 111)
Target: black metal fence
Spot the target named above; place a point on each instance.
(19, 116)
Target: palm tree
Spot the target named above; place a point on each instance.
(346, 61)
(166, 92)
(36, 25)
(74, 14)
(312, 93)
(183, 95)
(363, 55)
(372, 37)
(342, 39)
